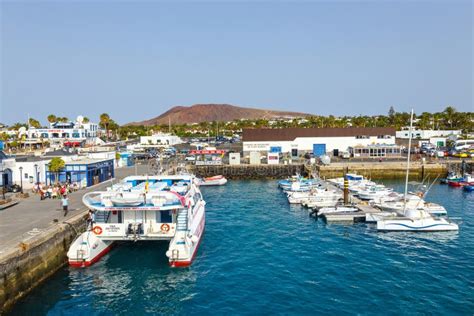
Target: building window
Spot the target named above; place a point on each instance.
(26, 175)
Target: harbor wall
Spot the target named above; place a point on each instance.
(249, 171)
(380, 171)
(373, 170)
(24, 267)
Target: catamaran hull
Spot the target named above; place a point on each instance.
(184, 246)
(87, 249)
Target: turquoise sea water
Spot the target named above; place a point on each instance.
(261, 256)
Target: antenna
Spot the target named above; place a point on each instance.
(408, 161)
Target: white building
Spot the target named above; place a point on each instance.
(160, 140)
(66, 133)
(316, 140)
(426, 134)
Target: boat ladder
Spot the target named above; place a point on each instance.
(174, 255)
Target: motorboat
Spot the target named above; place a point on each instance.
(413, 201)
(210, 181)
(295, 197)
(467, 179)
(336, 209)
(143, 208)
(416, 220)
(374, 192)
(452, 176)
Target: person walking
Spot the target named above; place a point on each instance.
(65, 204)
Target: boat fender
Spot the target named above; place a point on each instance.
(95, 245)
(97, 230)
(165, 228)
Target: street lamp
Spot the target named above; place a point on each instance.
(36, 173)
(3, 182)
(21, 179)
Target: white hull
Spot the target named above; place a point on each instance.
(331, 210)
(221, 181)
(417, 225)
(87, 249)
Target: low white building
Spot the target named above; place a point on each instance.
(160, 140)
(426, 134)
(317, 140)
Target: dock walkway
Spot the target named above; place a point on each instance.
(31, 217)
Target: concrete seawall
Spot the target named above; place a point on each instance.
(249, 171)
(373, 170)
(24, 267)
(386, 170)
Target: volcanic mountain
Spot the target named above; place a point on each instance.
(214, 112)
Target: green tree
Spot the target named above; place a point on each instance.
(104, 121)
(52, 118)
(34, 123)
(85, 120)
(448, 115)
(56, 165)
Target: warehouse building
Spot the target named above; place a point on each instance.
(319, 141)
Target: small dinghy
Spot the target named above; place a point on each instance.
(216, 180)
(127, 200)
(468, 188)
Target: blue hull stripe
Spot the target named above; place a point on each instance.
(422, 227)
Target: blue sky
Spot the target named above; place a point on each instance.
(135, 60)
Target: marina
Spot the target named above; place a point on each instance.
(290, 257)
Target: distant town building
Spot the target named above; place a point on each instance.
(160, 139)
(376, 151)
(72, 134)
(426, 134)
(317, 140)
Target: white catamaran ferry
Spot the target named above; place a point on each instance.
(144, 208)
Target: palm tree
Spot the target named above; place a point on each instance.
(104, 121)
(52, 118)
(34, 123)
(449, 114)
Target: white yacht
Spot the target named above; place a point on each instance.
(142, 208)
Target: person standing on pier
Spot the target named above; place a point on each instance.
(65, 204)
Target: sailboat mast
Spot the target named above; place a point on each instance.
(408, 160)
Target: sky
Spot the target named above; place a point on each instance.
(135, 60)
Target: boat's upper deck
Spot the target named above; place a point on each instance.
(144, 193)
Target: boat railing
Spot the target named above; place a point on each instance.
(128, 229)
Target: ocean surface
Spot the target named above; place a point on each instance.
(261, 256)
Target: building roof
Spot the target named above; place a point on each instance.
(290, 134)
(87, 161)
(30, 158)
(59, 153)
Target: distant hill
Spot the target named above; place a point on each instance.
(214, 112)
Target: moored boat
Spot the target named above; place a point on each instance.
(215, 180)
(144, 209)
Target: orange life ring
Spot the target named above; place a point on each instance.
(165, 227)
(97, 230)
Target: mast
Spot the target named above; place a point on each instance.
(408, 162)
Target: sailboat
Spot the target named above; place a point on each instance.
(414, 219)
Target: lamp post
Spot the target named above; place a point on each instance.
(36, 173)
(3, 182)
(21, 179)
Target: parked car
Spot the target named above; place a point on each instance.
(190, 158)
